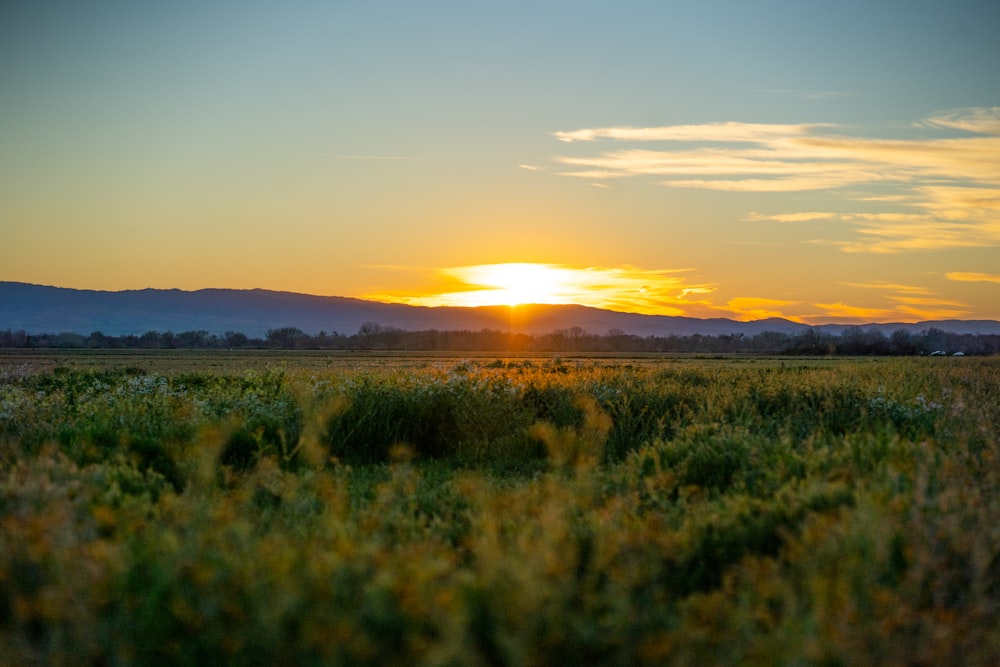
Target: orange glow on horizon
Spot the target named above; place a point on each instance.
(665, 292)
(625, 289)
(515, 284)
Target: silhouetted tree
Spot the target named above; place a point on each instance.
(287, 337)
(901, 342)
(235, 339)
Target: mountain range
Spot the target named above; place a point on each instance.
(43, 309)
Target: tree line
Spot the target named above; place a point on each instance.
(853, 340)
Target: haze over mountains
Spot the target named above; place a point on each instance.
(43, 309)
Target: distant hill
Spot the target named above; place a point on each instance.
(42, 309)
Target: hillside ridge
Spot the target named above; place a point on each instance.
(45, 309)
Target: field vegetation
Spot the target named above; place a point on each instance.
(423, 510)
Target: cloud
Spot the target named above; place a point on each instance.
(842, 311)
(804, 216)
(892, 287)
(754, 308)
(970, 277)
(741, 132)
(908, 303)
(934, 313)
(933, 192)
(927, 301)
(984, 120)
(695, 290)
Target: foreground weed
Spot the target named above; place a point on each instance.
(693, 512)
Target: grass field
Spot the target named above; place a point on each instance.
(316, 509)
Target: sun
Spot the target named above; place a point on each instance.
(515, 283)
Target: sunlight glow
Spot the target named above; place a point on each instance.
(667, 292)
(516, 283)
(625, 289)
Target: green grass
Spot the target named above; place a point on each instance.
(434, 511)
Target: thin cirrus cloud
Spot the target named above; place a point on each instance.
(972, 277)
(909, 302)
(755, 308)
(841, 311)
(933, 192)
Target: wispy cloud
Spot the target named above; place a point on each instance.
(891, 287)
(933, 312)
(984, 120)
(742, 132)
(928, 301)
(754, 308)
(970, 277)
(906, 303)
(841, 312)
(904, 312)
(804, 216)
(933, 192)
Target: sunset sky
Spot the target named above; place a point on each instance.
(820, 161)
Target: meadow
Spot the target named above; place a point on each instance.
(310, 508)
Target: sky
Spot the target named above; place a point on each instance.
(818, 161)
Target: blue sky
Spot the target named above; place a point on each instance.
(814, 160)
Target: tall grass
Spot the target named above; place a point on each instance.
(687, 512)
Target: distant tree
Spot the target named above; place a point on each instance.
(286, 337)
(770, 342)
(99, 340)
(934, 339)
(151, 339)
(235, 339)
(193, 339)
(901, 342)
(875, 342)
(810, 341)
(555, 341)
(68, 340)
(852, 340)
(10, 338)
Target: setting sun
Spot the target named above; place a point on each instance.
(627, 289)
(516, 283)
